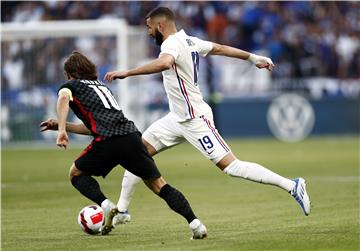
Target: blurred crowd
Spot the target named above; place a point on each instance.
(304, 39)
(314, 45)
(39, 62)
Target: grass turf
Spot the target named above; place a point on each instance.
(40, 207)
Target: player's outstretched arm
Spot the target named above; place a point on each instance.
(62, 109)
(52, 124)
(164, 62)
(228, 51)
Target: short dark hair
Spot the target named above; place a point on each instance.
(161, 12)
(80, 67)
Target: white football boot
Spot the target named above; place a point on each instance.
(121, 218)
(110, 211)
(300, 195)
(198, 230)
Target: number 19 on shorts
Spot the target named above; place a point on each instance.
(206, 144)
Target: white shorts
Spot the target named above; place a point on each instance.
(200, 132)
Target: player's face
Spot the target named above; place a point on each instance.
(153, 31)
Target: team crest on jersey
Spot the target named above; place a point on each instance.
(190, 42)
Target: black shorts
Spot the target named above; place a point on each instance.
(100, 157)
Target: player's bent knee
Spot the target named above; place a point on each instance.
(74, 171)
(150, 149)
(155, 184)
(226, 161)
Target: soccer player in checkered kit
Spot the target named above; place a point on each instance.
(190, 118)
(116, 141)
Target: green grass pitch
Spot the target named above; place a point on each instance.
(40, 207)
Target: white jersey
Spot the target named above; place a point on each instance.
(181, 81)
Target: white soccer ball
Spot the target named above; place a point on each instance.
(91, 219)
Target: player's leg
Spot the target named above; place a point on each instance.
(149, 147)
(256, 172)
(86, 185)
(89, 187)
(203, 135)
(137, 160)
(178, 203)
(94, 161)
(159, 136)
(128, 186)
(129, 182)
(253, 171)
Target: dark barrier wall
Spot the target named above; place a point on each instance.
(239, 117)
(336, 116)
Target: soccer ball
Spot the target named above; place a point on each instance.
(91, 219)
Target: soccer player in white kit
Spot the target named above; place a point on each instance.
(190, 117)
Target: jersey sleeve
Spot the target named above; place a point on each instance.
(66, 92)
(204, 47)
(170, 47)
(67, 89)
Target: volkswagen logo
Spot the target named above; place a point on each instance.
(290, 117)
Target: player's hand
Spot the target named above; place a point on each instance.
(62, 139)
(261, 62)
(110, 76)
(49, 124)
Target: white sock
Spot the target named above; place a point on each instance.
(258, 173)
(105, 203)
(127, 189)
(195, 223)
